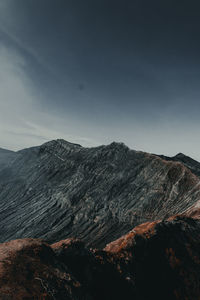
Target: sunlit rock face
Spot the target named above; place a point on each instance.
(60, 190)
(156, 260)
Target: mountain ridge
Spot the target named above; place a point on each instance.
(157, 260)
(96, 194)
(189, 162)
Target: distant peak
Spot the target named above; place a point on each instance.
(180, 154)
(117, 145)
(61, 142)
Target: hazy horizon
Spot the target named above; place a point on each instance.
(94, 72)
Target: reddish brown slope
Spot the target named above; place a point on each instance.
(29, 270)
(163, 258)
(156, 260)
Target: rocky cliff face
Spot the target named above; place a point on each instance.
(61, 190)
(159, 260)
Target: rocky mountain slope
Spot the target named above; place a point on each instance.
(61, 190)
(190, 163)
(157, 260)
(6, 157)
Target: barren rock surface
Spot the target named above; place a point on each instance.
(190, 163)
(60, 190)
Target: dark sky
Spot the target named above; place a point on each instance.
(95, 71)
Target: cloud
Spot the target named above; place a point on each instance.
(15, 96)
(23, 122)
(60, 79)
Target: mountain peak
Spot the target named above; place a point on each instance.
(180, 154)
(60, 142)
(117, 146)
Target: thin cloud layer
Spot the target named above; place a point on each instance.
(97, 71)
(22, 123)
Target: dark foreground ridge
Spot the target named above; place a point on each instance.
(60, 190)
(158, 260)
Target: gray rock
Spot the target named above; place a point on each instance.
(60, 190)
(190, 163)
(6, 157)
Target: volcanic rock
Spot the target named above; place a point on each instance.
(189, 162)
(61, 190)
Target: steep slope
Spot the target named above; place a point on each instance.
(97, 194)
(159, 260)
(190, 163)
(163, 258)
(6, 157)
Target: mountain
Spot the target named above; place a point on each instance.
(190, 163)
(156, 260)
(6, 157)
(60, 190)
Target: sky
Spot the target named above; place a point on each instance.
(93, 72)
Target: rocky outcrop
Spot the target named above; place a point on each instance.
(61, 190)
(157, 260)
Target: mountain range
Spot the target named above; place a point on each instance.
(97, 223)
(60, 190)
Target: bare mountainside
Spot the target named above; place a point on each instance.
(156, 260)
(61, 190)
(6, 157)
